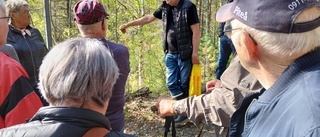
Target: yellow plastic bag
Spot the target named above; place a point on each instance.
(195, 80)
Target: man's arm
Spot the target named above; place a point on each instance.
(217, 106)
(141, 21)
(195, 42)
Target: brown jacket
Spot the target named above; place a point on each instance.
(218, 106)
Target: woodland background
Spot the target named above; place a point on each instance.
(144, 42)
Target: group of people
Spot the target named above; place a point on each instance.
(77, 79)
(269, 89)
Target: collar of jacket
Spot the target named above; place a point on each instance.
(11, 27)
(74, 116)
(304, 64)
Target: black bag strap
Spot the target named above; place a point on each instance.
(168, 121)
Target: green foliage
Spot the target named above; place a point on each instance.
(37, 14)
(208, 54)
(144, 42)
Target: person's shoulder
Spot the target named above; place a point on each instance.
(10, 66)
(7, 61)
(188, 3)
(7, 48)
(33, 30)
(9, 131)
(32, 129)
(116, 46)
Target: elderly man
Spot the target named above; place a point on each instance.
(18, 101)
(278, 42)
(76, 78)
(89, 16)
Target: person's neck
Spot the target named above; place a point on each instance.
(92, 36)
(89, 104)
(176, 4)
(17, 27)
(269, 69)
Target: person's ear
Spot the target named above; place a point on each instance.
(103, 25)
(76, 25)
(12, 15)
(249, 46)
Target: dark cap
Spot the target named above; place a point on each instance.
(270, 15)
(88, 12)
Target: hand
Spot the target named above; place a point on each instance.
(195, 59)
(123, 28)
(212, 84)
(165, 107)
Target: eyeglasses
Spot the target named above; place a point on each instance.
(22, 11)
(7, 17)
(25, 11)
(228, 29)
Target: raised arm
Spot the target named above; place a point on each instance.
(141, 21)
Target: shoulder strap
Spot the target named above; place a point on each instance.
(96, 132)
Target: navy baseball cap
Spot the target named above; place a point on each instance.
(270, 15)
(88, 12)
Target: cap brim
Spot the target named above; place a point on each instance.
(225, 14)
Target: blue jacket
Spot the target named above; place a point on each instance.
(289, 108)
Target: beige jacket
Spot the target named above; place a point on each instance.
(218, 106)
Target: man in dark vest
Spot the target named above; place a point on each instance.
(181, 44)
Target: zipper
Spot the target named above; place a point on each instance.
(33, 65)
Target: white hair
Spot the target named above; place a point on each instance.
(284, 45)
(78, 69)
(15, 5)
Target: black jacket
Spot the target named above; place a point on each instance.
(30, 49)
(182, 29)
(59, 122)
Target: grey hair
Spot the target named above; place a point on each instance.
(15, 5)
(78, 69)
(284, 45)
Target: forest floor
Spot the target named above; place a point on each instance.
(141, 121)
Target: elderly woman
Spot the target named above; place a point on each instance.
(26, 40)
(76, 77)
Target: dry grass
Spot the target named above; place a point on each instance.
(142, 122)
